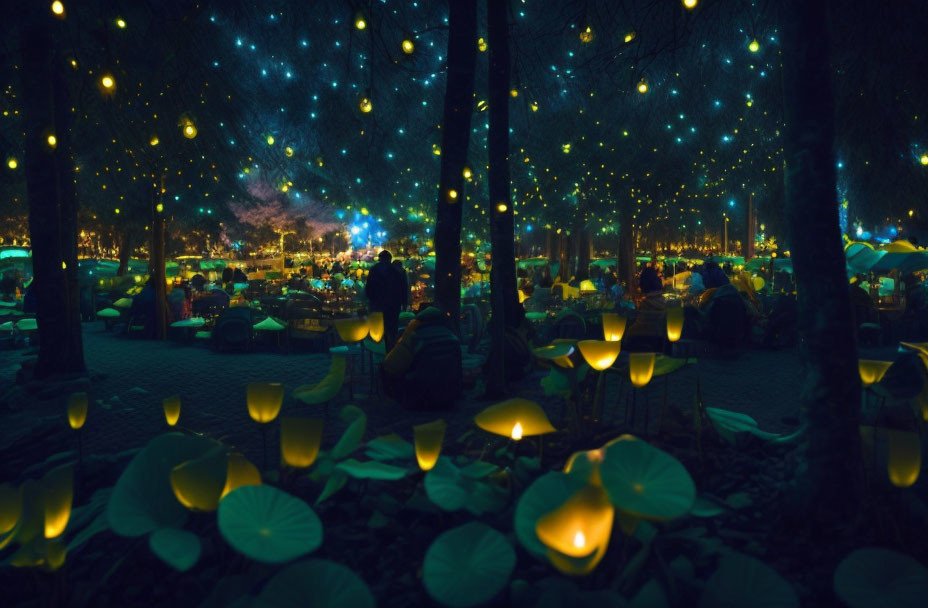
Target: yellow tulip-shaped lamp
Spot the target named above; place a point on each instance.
(57, 494)
(351, 330)
(428, 438)
(905, 457)
(674, 323)
(872, 371)
(264, 401)
(375, 326)
(515, 418)
(577, 532)
(171, 407)
(300, 439)
(77, 416)
(640, 368)
(198, 483)
(239, 472)
(600, 355)
(613, 326)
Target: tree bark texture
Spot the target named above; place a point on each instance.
(156, 265)
(830, 483)
(627, 265)
(52, 198)
(459, 91)
(125, 249)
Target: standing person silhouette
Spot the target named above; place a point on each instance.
(386, 291)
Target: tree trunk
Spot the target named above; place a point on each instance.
(829, 483)
(156, 266)
(583, 253)
(459, 91)
(125, 248)
(552, 241)
(566, 254)
(52, 200)
(749, 240)
(627, 265)
(503, 286)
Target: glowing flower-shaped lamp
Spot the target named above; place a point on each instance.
(515, 418)
(674, 323)
(198, 483)
(264, 400)
(599, 354)
(77, 410)
(428, 438)
(11, 506)
(558, 353)
(375, 326)
(580, 526)
(57, 494)
(872, 371)
(239, 472)
(905, 457)
(351, 330)
(640, 368)
(171, 407)
(613, 326)
(300, 439)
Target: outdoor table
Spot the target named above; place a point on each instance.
(271, 324)
(190, 327)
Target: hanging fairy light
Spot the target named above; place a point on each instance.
(58, 9)
(690, 4)
(754, 46)
(642, 86)
(365, 105)
(408, 46)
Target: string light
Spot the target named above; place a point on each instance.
(12, 163)
(586, 35)
(58, 9)
(924, 159)
(642, 86)
(52, 141)
(365, 105)
(754, 46)
(408, 47)
(502, 207)
(190, 131)
(107, 82)
(121, 23)
(270, 140)
(481, 45)
(690, 4)
(154, 141)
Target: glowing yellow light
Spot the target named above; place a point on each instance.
(911, 211)
(613, 326)
(121, 24)
(643, 86)
(534, 106)
(190, 131)
(482, 105)
(366, 105)
(12, 163)
(264, 400)
(516, 433)
(77, 410)
(52, 141)
(171, 405)
(468, 173)
(502, 207)
(924, 159)
(270, 140)
(580, 525)
(513, 93)
(872, 371)
(288, 151)
(300, 439)
(107, 82)
(154, 141)
(58, 8)
(58, 493)
(629, 37)
(481, 45)
(428, 439)
(904, 461)
(375, 326)
(586, 35)
(579, 540)
(565, 148)
(754, 46)
(116, 210)
(452, 194)
(599, 354)
(360, 23)
(408, 47)
(690, 4)
(364, 211)
(674, 323)
(640, 368)
(436, 149)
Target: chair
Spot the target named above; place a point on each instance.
(233, 329)
(326, 389)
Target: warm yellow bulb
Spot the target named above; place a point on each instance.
(586, 35)
(629, 37)
(12, 163)
(58, 8)
(270, 140)
(159, 207)
(924, 159)
(116, 210)
(171, 405)
(107, 82)
(190, 131)
(288, 151)
(408, 47)
(534, 106)
(154, 141)
(514, 93)
(754, 46)
(467, 173)
(121, 24)
(453, 194)
(502, 207)
(52, 141)
(579, 540)
(516, 431)
(481, 45)
(690, 4)
(360, 23)
(366, 105)
(643, 86)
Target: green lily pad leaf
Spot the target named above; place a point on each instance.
(729, 424)
(646, 481)
(335, 482)
(479, 469)
(268, 525)
(389, 447)
(556, 383)
(486, 497)
(351, 438)
(316, 583)
(546, 494)
(177, 548)
(664, 365)
(443, 485)
(874, 577)
(143, 500)
(743, 581)
(467, 565)
(370, 470)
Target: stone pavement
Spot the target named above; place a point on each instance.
(126, 410)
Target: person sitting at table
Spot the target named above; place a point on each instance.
(649, 282)
(712, 275)
(239, 276)
(179, 302)
(198, 281)
(648, 330)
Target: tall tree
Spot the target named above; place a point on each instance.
(503, 289)
(51, 193)
(829, 484)
(459, 92)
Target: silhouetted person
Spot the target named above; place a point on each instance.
(386, 291)
(238, 276)
(648, 281)
(401, 273)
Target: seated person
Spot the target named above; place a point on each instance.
(238, 276)
(712, 275)
(198, 281)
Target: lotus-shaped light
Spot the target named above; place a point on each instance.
(580, 526)
(613, 326)
(239, 472)
(198, 483)
(558, 353)
(872, 371)
(674, 323)
(599, 354)
(11, 505)
(375, 326)
(585, 464)
(300, 439)
(171, 407)
(57, 494)
(640, 368)
(428, 438)
(77, 410)
(351, 330)
(264, 400)
(515, 418)
(905, 457)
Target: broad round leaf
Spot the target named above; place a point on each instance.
(876, 578)
(143, 500)
(646, 481)
(371, 470)
(268, 525)
(746, 582)
(443, 485)
(467, 565)
(316, 583)
(546, 494)
(177, 548)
